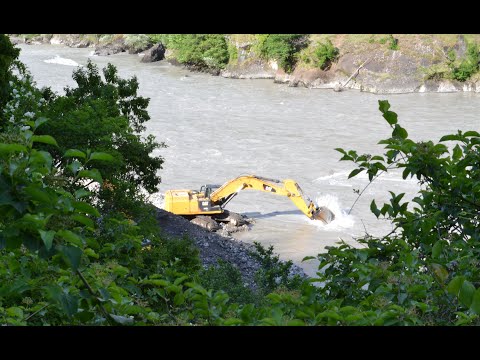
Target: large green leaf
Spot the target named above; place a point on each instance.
(455, 285)
(438, 248)
(10, 148)
(47, 237)
(475, 306)
(93, 174)
(101, 156)
(72, 254)
(74, 153)
(355, 172)
(466, 293)
(45, 139)
(457, 153)
(391, 117)
(70, 237)
(84, 220)
(123, 320)
(85, 208)
(440, 272)
(39, 122)
(383, 106)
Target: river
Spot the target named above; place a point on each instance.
(218, 128)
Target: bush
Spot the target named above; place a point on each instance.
(228, 278)
(202, 50)
(469, 65)
(281, 47)
(325, 54)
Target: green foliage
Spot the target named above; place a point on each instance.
(423, 264)
(392, 42)
(281, 47)
(232, 53)
(273, 272)
(103, 119)
(469, 65)
(228, 278)
(8, 55)
(202, 50)
(325, 54)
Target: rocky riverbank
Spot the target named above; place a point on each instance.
(365, 63)
(214, 246)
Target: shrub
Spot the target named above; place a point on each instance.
(469, 65)
(202, 50)
(281, 47)
(325, 54)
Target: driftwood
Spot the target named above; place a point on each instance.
(355, 72)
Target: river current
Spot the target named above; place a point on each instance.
(217, 129)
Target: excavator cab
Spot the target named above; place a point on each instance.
(208, 189)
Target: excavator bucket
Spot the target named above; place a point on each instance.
(324, 214)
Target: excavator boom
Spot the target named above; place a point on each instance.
(288, 188)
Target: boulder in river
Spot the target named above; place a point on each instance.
(155, 53)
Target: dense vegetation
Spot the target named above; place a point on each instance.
(72, 252)
(282, 48)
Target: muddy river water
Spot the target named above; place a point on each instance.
(217, 129)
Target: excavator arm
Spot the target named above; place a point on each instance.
(288, 188)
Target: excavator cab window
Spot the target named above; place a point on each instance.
(208, 189)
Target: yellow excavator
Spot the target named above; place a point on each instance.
(206, 206)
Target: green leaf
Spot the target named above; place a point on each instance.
(179, 299)
(15, 312)
(471, 133)
(457, 153)
(122, 319)
(455, 285)
(9, 148)
(400, 132)
(81, 193)
(437, 248)
(70, 237)
(101, 156)
(84, 220)
(308, 258)
(74, 153)
(85, 208)
(391, 117)
(440, 272)
(450, 137)
(38, 194)
(72, 253)
(93, 174)
(475, 306)
(45, 139)
(74, 166)
(374, 209)
(40, 121)
(466, 293)
(383, 105)
(47, 237)
(355, 172)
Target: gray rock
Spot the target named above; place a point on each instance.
(110, 49)
(155, 53)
